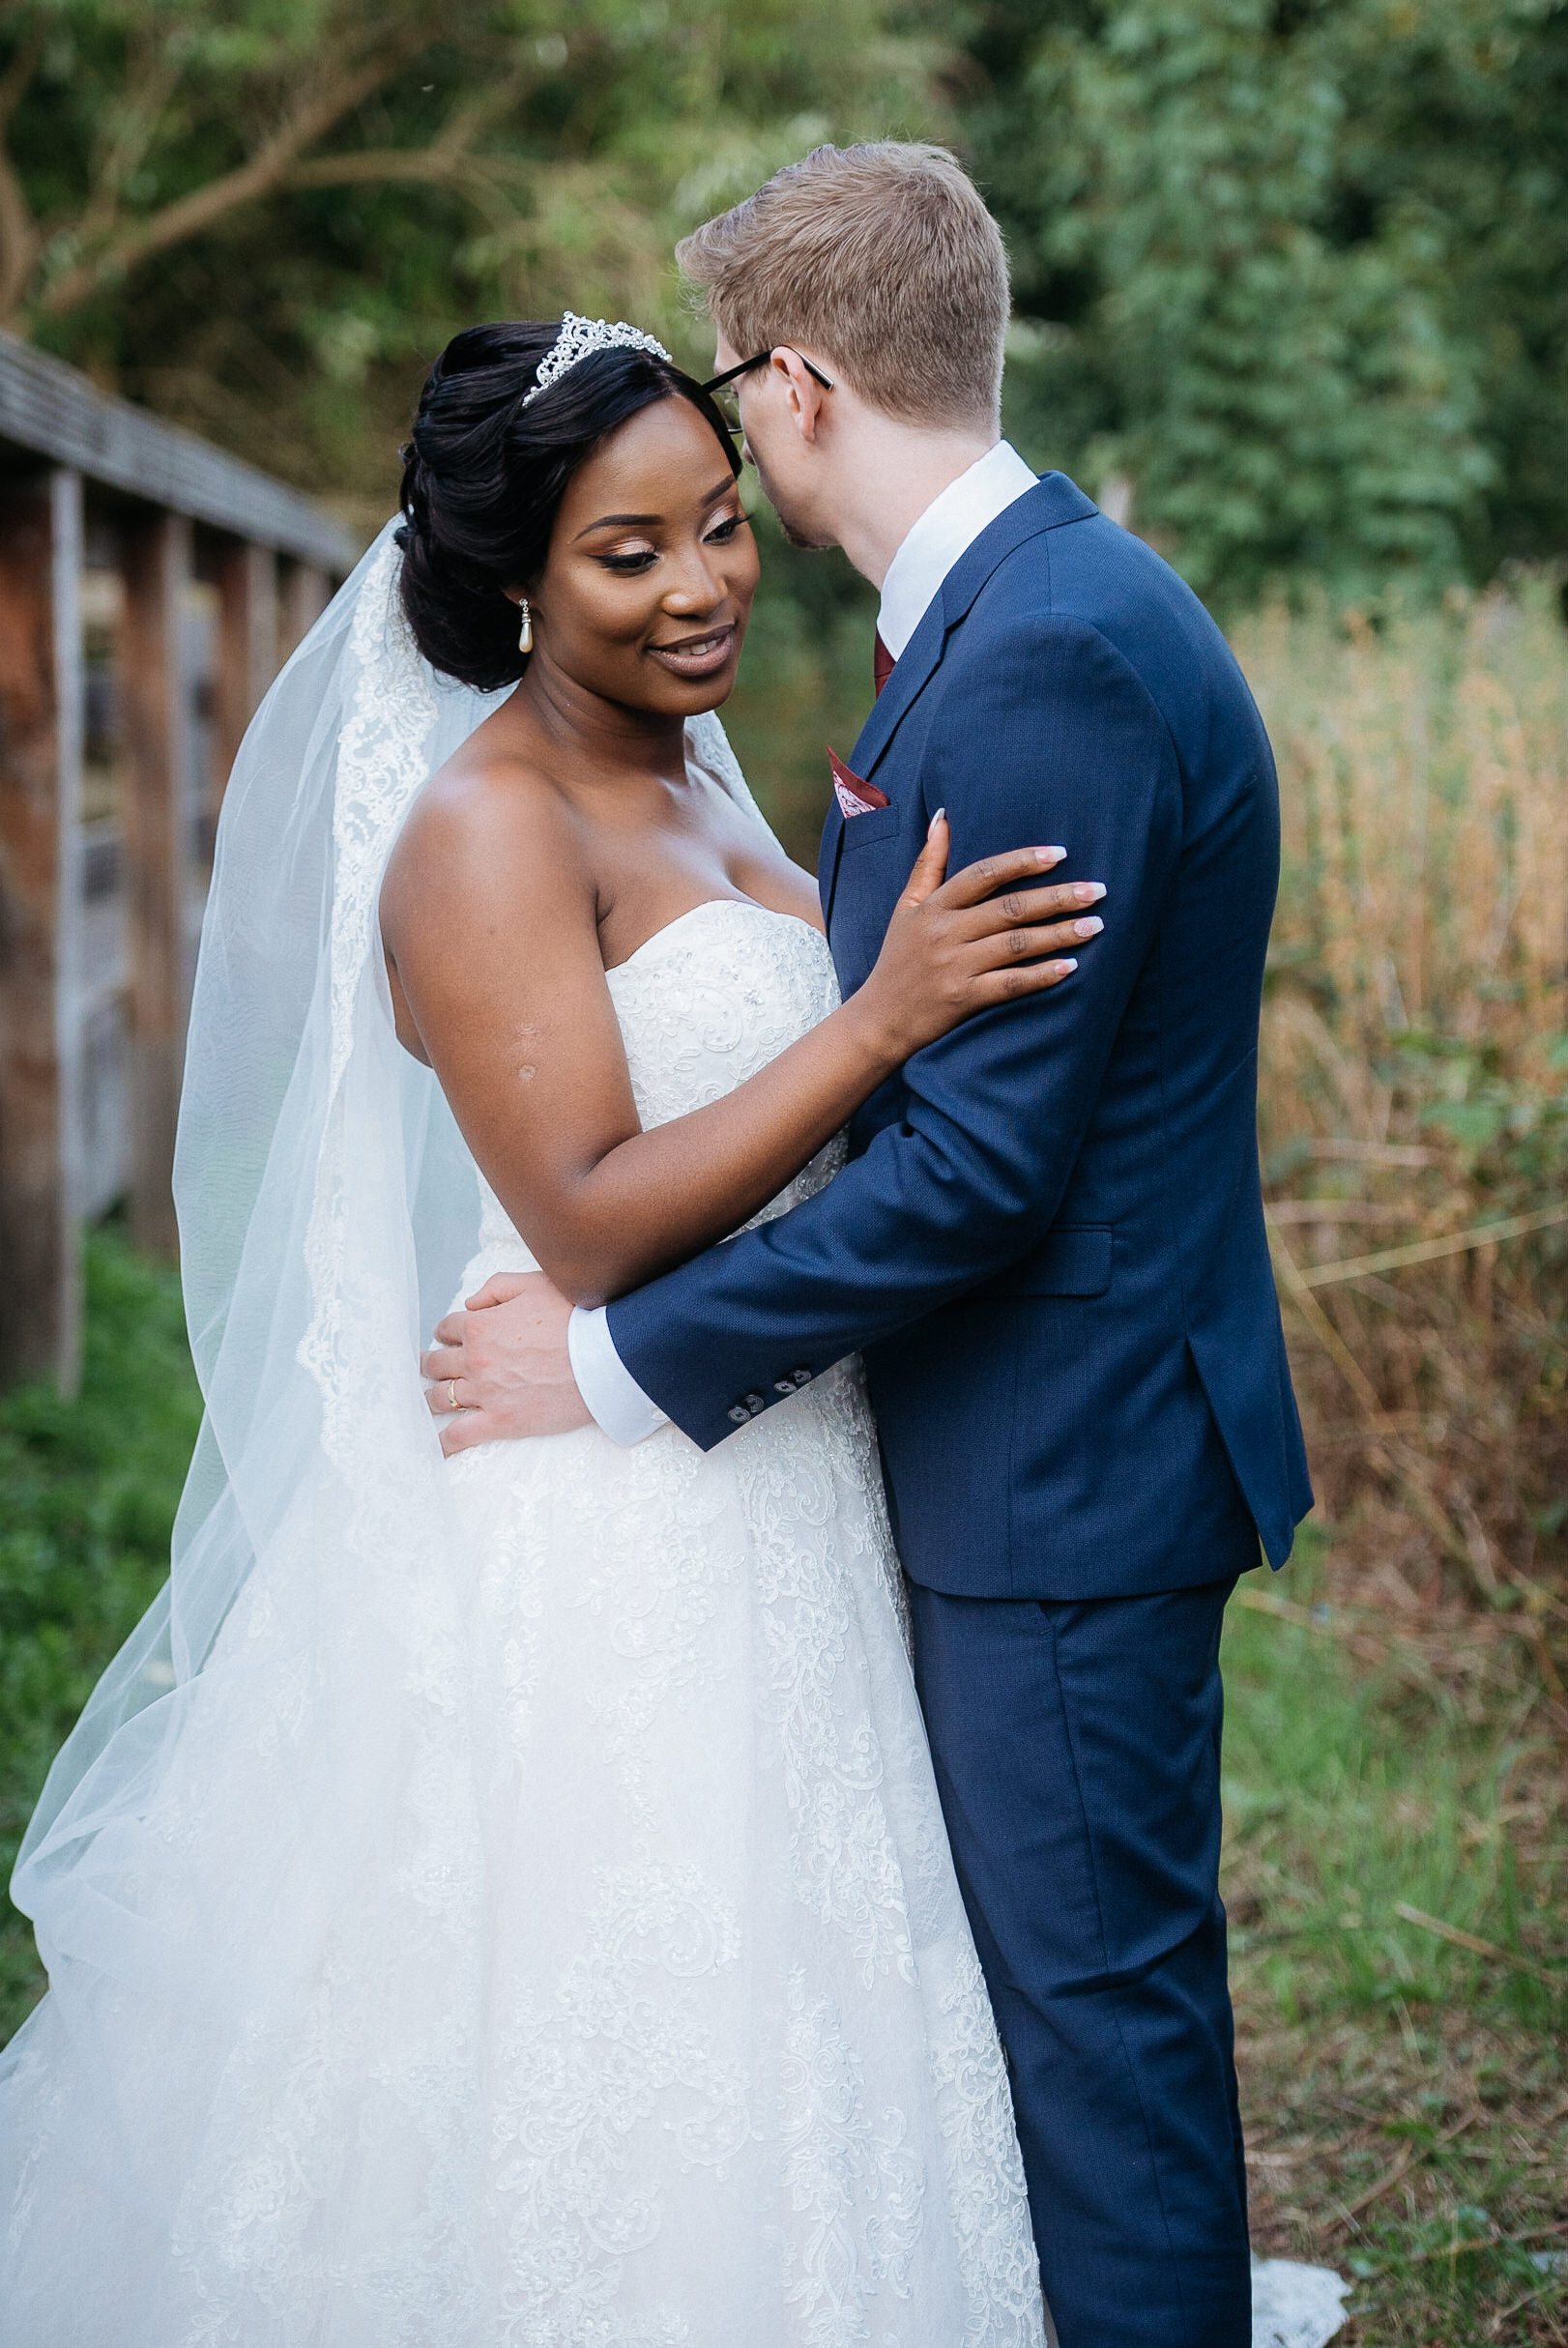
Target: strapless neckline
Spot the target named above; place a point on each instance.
(704, 1003)
(709, 905)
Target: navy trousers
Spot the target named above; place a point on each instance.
(1077, 1752)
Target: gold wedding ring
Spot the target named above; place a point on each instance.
(451, 1394)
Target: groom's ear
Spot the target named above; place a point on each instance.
(805, 394)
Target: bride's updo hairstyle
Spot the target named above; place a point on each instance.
(484, 474)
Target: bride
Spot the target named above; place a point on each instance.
(504, 1899)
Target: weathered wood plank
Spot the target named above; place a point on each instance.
(51, 409)
(67, 530)
(40, 922)
(247, 658)
(157, 852)
(169, 482)
(307, 593)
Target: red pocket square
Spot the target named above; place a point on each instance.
(855, 796)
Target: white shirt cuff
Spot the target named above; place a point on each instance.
(620, 1408)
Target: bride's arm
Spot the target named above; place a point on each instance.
(489, 920)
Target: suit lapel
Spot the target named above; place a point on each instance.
(1052, 501)
(909, 671)
(827, 855)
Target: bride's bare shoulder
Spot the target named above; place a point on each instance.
(488, 818)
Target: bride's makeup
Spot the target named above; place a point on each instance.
(697, 651)
(651, 571)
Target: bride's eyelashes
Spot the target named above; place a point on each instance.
(634, 560)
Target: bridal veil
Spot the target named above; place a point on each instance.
(327, 1207)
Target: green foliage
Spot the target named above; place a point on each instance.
(1354, 1791)
(1288, 273)
(265, 217)
(87, 1491)
(1287, 270)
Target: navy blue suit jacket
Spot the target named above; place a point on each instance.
(1049, 1240)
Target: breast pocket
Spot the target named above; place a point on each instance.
(866, 830)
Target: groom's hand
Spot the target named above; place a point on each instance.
(505, 1359)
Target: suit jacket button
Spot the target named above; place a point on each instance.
(801, 1377)
(783, 1385)
(738, 1414)
(755, 1403)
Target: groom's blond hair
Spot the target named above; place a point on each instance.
(883, 259)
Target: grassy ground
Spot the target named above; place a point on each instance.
(1404, 2089)
(87, 1499)
(1404, 2092)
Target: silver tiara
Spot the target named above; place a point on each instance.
(579, 338)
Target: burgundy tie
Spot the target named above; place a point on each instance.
(881, 663)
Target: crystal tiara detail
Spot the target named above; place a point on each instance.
(579, 338)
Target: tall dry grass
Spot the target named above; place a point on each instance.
(1415, 1062)
(1415, 1077)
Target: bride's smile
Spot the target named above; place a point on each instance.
(641, 606)
(706, 656)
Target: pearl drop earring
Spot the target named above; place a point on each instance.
(525, 634)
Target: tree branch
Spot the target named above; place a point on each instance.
(449, 159)
(18, 74)
(267, 169)
(18, 231)
(430, 165)
(139, 113)
(466, 122)
(483, 180)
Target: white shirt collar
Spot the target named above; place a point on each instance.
(947, 530)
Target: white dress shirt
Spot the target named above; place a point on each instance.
(946, 531)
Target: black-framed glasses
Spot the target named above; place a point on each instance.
(760, 359)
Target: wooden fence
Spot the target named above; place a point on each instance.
(150, 589)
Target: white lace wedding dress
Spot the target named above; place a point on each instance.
(500, 1903)
(646, 2011)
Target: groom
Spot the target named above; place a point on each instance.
(1048, 1243)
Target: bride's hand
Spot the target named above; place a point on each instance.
(986, 937)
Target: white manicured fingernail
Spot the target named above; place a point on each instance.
(1071, 964)
(934, 821)
(1090, 928)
